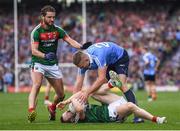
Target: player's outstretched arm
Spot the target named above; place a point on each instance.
(62, 104)
(72, 42)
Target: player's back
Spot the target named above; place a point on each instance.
(107, 52)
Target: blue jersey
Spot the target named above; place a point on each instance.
(102, 54)
(151, 59)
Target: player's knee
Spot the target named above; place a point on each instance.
(37, 85)
(130, 106)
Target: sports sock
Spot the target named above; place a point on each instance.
(31, 109)
(46, 97)
(154, 119)
(130, 96)
(110, 85)
(53, 106)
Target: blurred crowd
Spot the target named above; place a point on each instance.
(130, 25)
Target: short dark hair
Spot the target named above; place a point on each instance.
(77, 57)
(47, 8)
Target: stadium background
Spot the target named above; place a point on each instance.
(131, 23)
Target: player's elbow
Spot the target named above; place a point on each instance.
(34, 52)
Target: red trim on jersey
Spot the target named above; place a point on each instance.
(35, 42)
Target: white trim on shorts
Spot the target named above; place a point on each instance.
(50, 71)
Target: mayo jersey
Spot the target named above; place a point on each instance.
(96, 113)
(102, 54)
(48, 41)
(151, 59)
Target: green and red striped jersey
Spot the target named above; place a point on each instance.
(47, 40)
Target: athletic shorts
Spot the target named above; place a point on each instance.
(52, 71)
(121, 66)
(113, 114)
(149, 77)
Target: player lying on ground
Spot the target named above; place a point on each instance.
(117, 109)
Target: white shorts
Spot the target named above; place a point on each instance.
(48, 71)
(113, 108)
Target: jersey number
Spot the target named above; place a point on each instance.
(100, 45)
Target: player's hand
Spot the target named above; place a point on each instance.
(50, 56)
(61, 105)
(83, 97)
(86, 45)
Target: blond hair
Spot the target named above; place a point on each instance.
(77, 57)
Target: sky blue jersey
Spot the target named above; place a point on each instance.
(102, 54)
(152, 60)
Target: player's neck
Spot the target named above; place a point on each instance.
(45, 26)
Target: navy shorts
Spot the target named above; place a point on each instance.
(149, 77)
(121, 66)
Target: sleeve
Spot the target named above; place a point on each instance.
(100, 61)
(81, 71)
(145, 59)
(61, 32)
(156, 59)
(34, 36)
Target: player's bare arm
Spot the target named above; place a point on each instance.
(79, 106)
(62, 104)
(72, 42)
(101, 79)
(35, 51)
(79, 83)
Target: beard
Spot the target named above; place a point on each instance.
(48, 23)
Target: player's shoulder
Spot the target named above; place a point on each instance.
(58, 27)
(36, 29)
(147, 54)
(152, 55)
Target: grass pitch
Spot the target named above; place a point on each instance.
(13, 114)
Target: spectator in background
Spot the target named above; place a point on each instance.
(1, 78)
(128, 25)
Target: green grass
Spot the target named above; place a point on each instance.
(13, 114)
